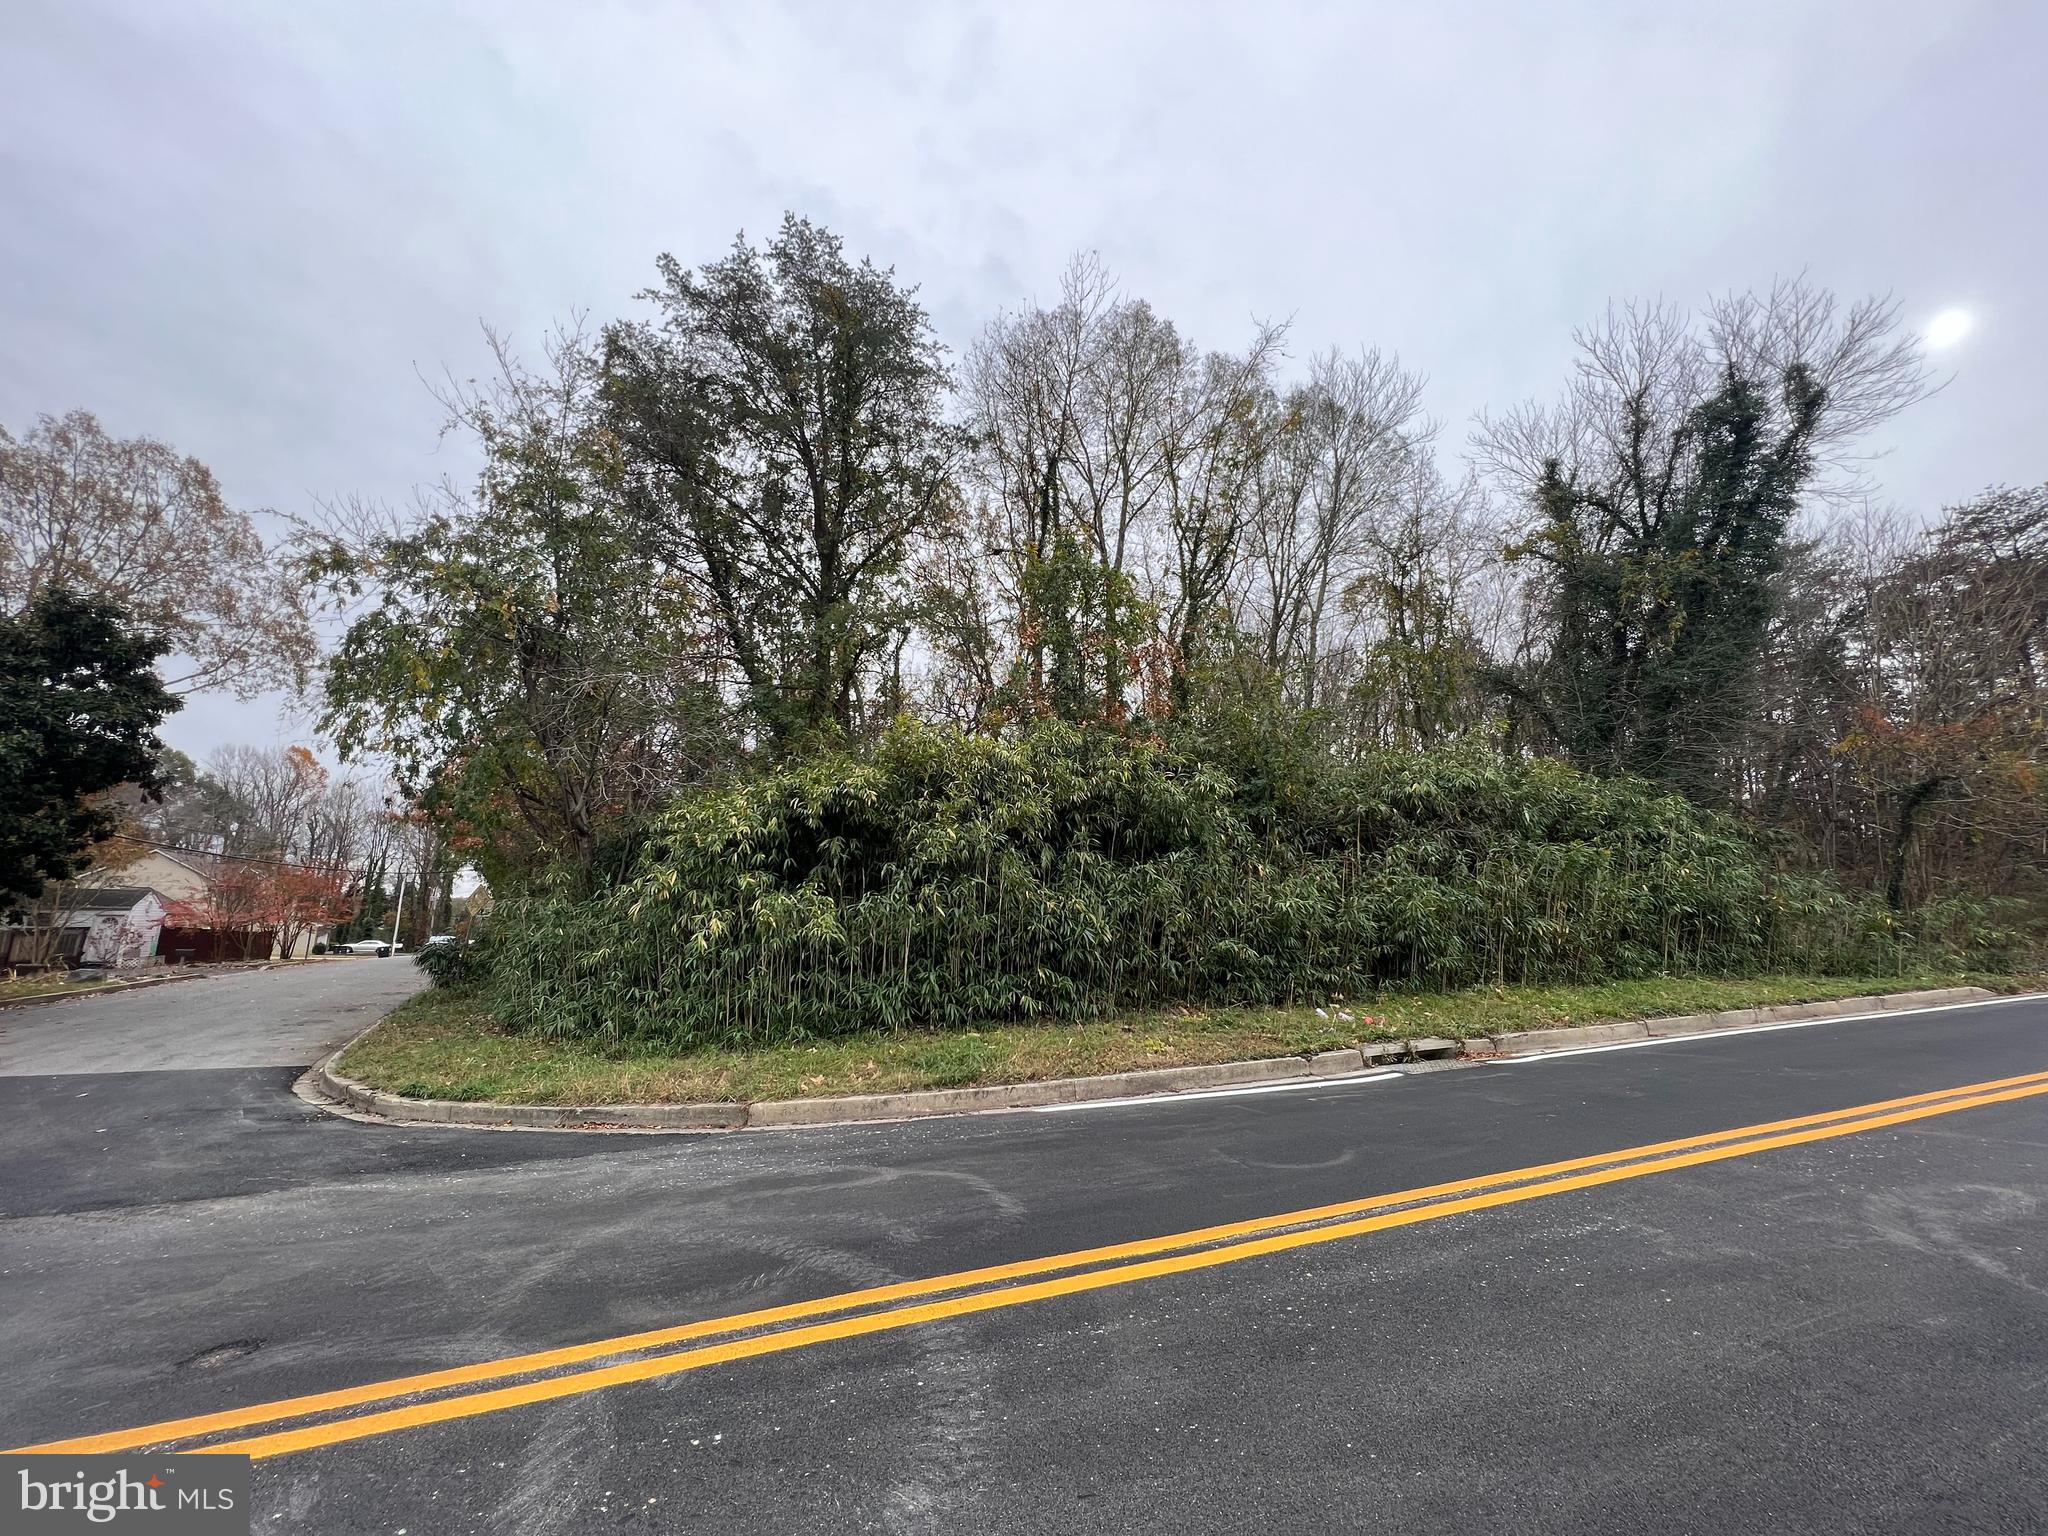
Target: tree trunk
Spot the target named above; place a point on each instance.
(1902, 836)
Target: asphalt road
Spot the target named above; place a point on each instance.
(1833, 1326)
(289, 1016)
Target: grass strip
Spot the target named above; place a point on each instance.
(446, 1046)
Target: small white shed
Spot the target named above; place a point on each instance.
(112, 925)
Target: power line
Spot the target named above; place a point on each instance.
(241, 858)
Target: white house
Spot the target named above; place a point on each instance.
(173, 876)
(183, 875)
(94, 921)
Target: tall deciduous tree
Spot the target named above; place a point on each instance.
(785, 418)
(1224, 421)
(536, 676)
(1118, 467)
(298, 898)
(79, 706)
(1349, 451)
(1662, 488)
(273, 794)
(1071, 412)
(1428, 597)
(1947, 654)
(133, 521)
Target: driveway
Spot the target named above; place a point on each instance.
(287, 1017)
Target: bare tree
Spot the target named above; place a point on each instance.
(1119, 465)
(348, 824)
(1023, 383)
(1430, 600)
(1119, 472)
(1223, 426)
(1067, 407)
(1622, 428)
(1346, 450)
(1950, 731)
(131, 520)
(278, 791)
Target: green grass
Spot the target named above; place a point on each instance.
(444, 1046)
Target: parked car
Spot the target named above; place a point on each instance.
(438, 938)
(365, 947)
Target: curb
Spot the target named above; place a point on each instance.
(1524, 1042)
(331, 1090)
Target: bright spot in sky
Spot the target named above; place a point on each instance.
(1948, 328)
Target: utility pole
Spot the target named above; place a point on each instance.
(396, 913)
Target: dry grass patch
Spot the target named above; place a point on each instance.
(39, 986)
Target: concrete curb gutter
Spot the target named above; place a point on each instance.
(324, 1086)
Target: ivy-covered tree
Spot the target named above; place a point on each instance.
(79, 706)
(1657, 628)
(1662, 489)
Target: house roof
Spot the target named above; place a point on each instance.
(186, 858)
(107, 898)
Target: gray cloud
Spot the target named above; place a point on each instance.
(246, 228)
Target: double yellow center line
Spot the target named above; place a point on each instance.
(466, 1391)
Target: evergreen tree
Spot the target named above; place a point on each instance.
(79, 706)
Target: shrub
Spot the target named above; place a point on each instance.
(943, 879)
(448, 965)
(320, 947)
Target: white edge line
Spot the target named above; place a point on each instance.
(1748, 1029)
(1218, 1093)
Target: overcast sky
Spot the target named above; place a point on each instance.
(248, 228)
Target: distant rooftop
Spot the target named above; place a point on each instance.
(107, 898)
